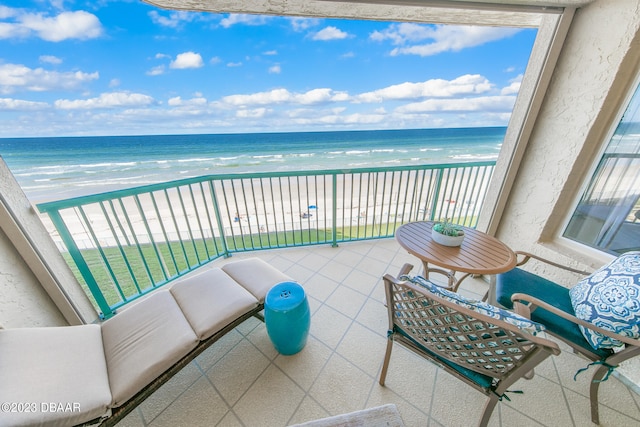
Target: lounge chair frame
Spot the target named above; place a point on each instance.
(460, 340)
(525, 305)
(118, 414)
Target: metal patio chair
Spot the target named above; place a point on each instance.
(549, 303)
(487, 353)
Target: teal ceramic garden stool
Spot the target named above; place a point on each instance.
(286, 314)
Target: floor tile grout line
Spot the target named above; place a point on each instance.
(395, 257)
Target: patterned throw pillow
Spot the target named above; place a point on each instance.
(610, 298)
(481, 307)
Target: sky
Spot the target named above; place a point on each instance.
(114, 67)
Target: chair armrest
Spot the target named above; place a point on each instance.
(403, 271)
(524, 304)
(527, 256)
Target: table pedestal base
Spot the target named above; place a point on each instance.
(452, 282)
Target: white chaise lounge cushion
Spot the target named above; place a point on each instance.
(143, 341)
(211, 300)
(256, 276)
(60, 370)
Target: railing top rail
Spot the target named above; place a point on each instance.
(110, 195)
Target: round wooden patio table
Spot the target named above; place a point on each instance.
(478, 254)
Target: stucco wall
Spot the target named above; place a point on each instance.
(23, 302)
(593, 76)
(596, 71)
(32, 270)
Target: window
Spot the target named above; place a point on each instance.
(608, 215)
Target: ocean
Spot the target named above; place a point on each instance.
(62, 167)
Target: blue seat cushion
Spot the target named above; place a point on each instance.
(520, 281)
(481, 380)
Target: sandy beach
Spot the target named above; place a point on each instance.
(280, 204)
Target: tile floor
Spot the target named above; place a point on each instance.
(242, 381)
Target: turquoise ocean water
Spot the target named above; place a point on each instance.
(62, 167)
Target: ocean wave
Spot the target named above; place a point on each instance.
(474, 156)
(104, 165)
(19, 174)
(108, 164)
(267, 156)
(70, 168)
(196, 159)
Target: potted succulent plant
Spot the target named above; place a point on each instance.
(446, 233)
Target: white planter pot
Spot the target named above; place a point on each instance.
(445, 240)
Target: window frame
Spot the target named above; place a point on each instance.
(589, 175)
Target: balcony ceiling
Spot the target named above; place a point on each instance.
(522, 13)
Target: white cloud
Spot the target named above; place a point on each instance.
(174, 20)
(478, 104)
(463, 85)
(197, 101)
(280, 96)
(303, 24)
(215, 60)
(50, 59)
(106, 100)
(403, 33)
(234, 64)
(7, 12)
(271, 52)
(19, 77)
(187, 60)
(67, 25)
(330, 33)
(275, 69)
(426, 40)
(8, 104)
(175, 101)
(156, 71)
(243, 19)
(114, 83)
(255, 113)
(334, 117)
(260, 98)
(514, 86)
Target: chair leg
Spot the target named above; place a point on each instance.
(489, 406)
(593, 393)
(387, 357)
(529, 375)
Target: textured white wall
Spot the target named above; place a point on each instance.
(23, 302)
(592, 78)
(594, 75)
(31, 267)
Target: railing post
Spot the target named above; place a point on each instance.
(216, 208)
(334, 208)
(436, 194)
(84, 269)
(382, 197)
